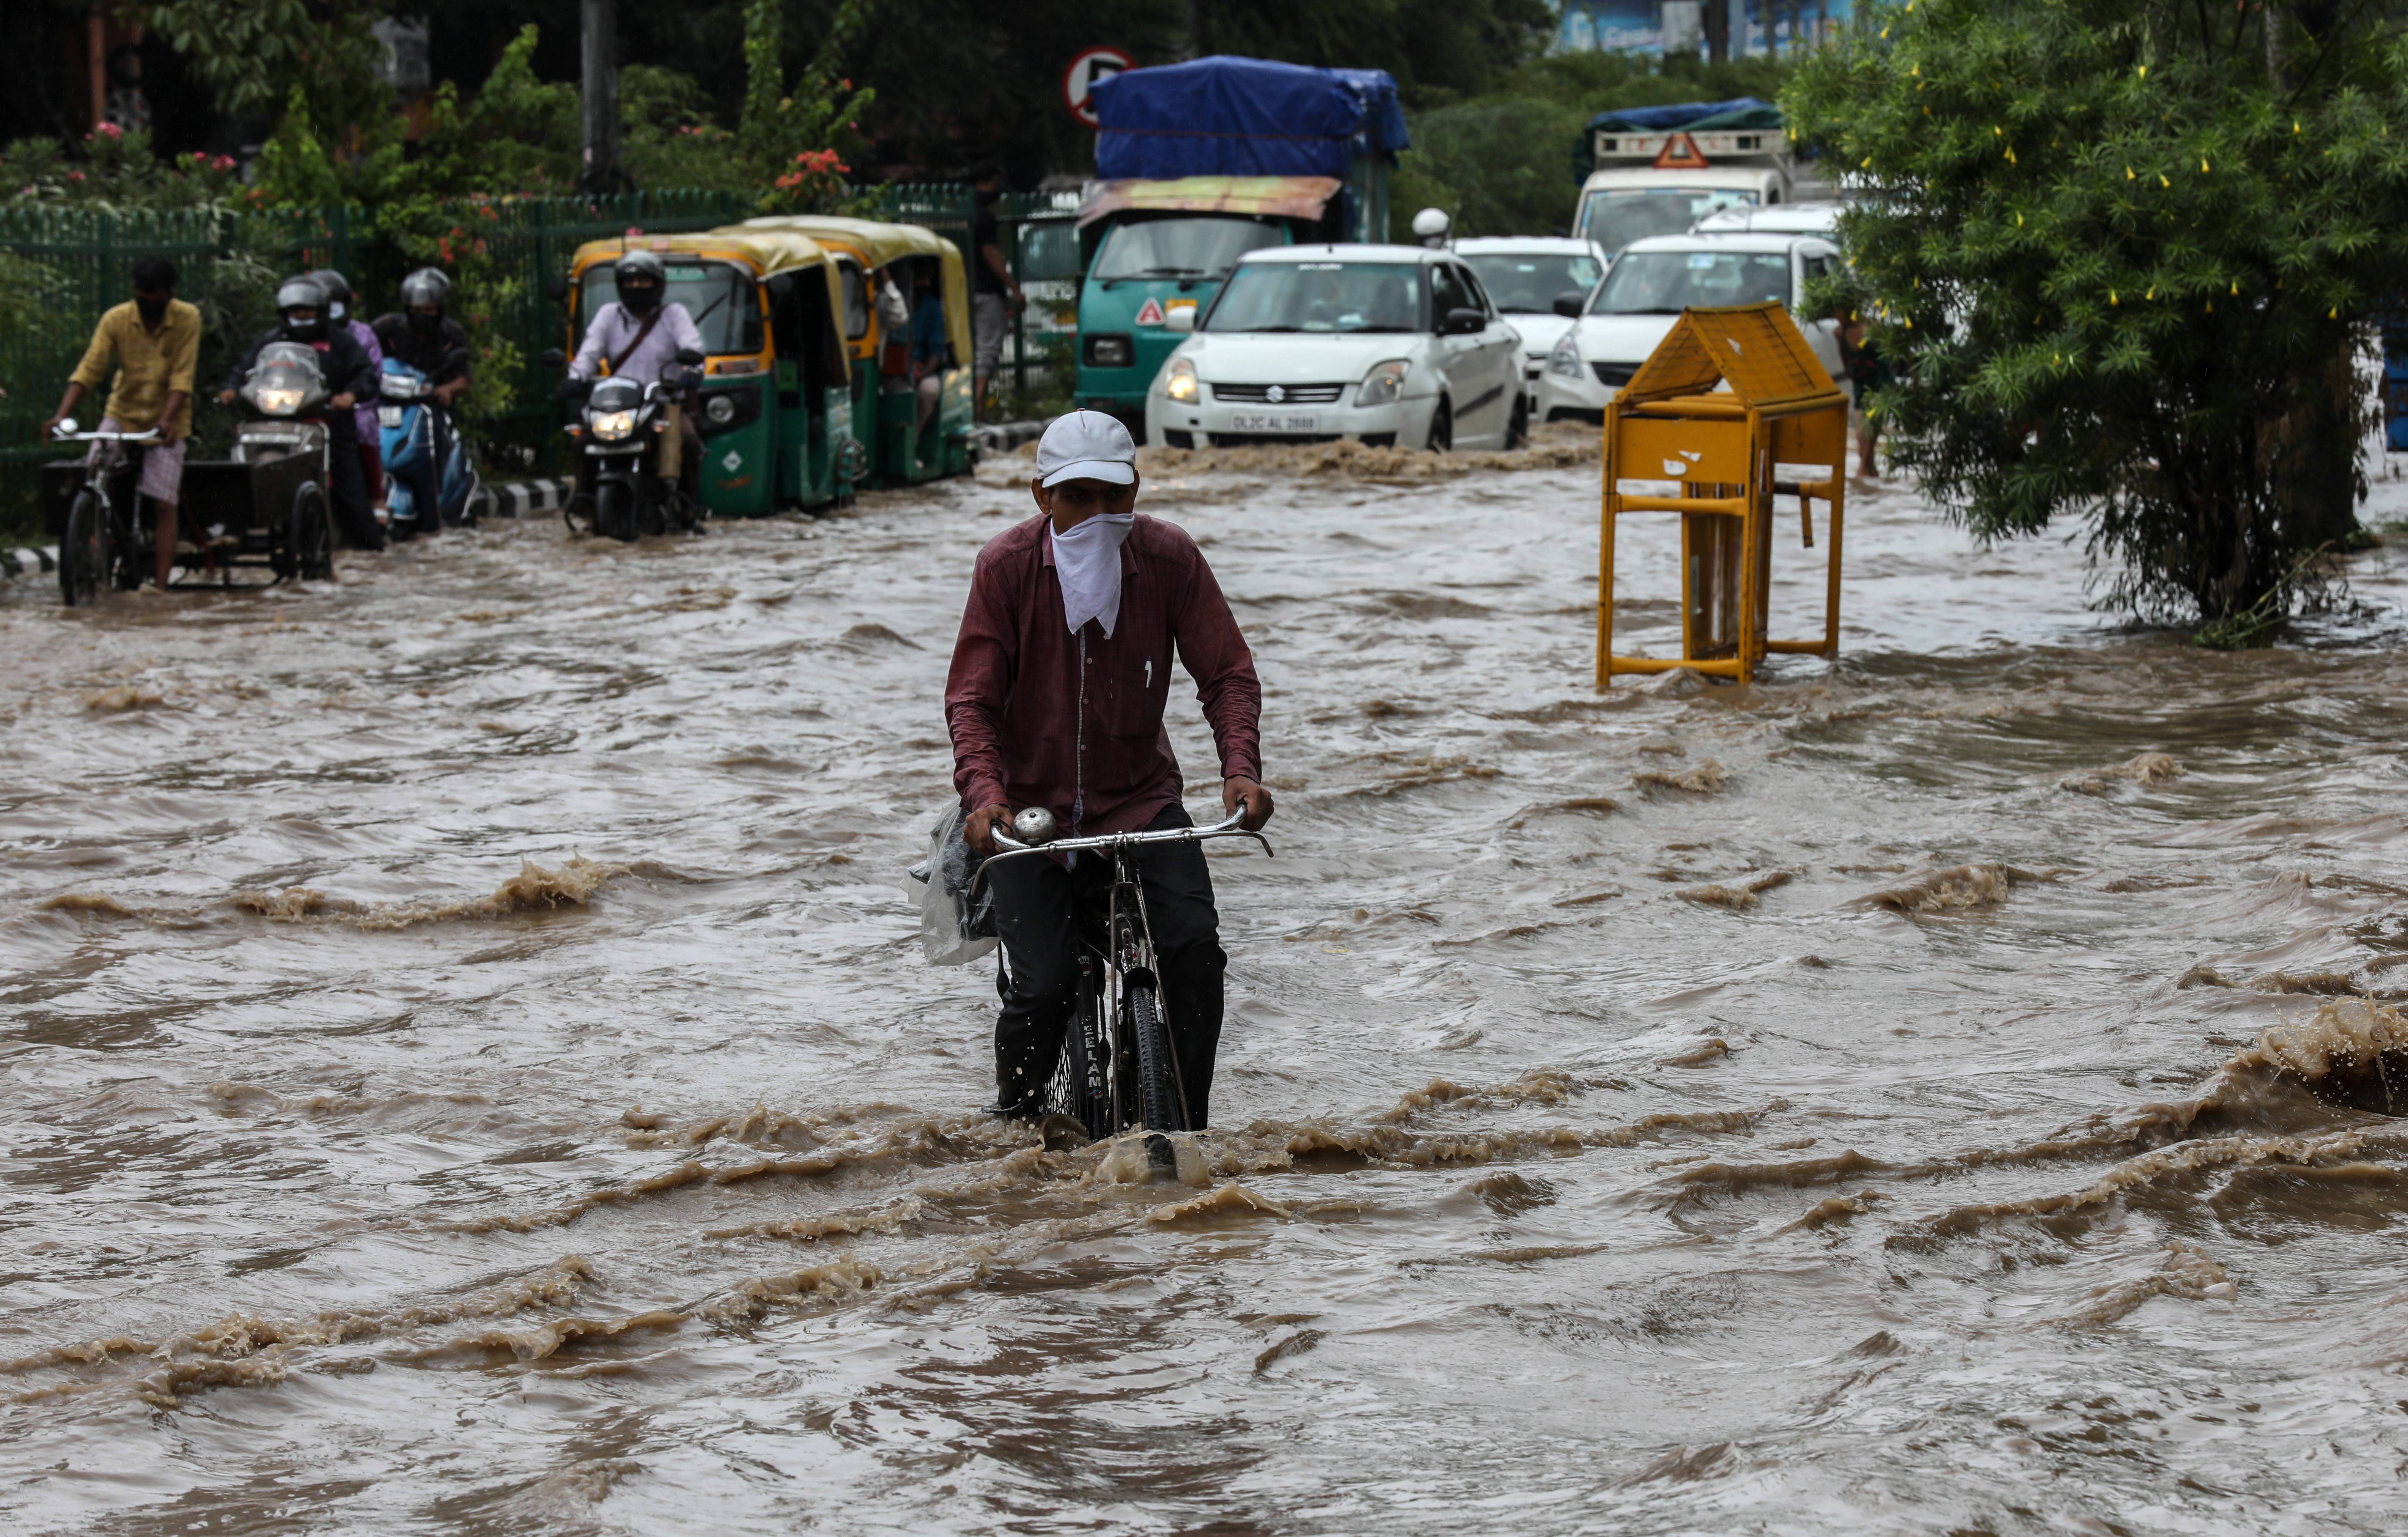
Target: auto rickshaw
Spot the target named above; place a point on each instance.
(868, 255)
(777, 394)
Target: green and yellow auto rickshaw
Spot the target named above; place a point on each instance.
(777, 394)
(871, 258)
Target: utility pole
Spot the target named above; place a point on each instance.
(599, 98)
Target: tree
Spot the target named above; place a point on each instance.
(253, 54)
(2122, 253)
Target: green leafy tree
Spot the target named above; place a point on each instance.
(787, 136)
(2122, 253)
(253, 55)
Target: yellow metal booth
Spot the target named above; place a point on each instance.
(1676, 421)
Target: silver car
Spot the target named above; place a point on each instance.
(1540, 281)
(1651, 283)
(1386, 344)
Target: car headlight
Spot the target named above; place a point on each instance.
(1384, 383)
(1566, 358)
(609, 426)
(280, 402)
(720, 409)
(1178, 382)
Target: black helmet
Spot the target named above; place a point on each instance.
(338, 292)
(650, 277)
(427, 285)
(302, 293)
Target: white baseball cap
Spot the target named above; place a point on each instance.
(1086, 446)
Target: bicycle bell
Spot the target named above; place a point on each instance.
(1034, 825)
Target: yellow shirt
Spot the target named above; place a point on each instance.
(150, 365)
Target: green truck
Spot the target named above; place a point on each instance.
(1201, 163)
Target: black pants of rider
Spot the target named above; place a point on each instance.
(348, 489)
(688, 461)
(1036, 906)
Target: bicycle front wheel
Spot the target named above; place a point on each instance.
(1158, 1093)
(1081, 1088)
(84, 554)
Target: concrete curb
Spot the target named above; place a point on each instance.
(27, 562)
(522, 498)
(1003, 437)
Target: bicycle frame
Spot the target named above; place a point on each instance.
(1123, 961)
(127, 535)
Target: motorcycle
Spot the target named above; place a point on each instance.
(632, 447)
(410, 428)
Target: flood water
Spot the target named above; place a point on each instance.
(470, 1067)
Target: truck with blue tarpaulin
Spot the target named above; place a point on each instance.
(1199, 163)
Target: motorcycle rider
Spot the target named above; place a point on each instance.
(639, 334)
(301, 310)
(364, 415)
(423, 334)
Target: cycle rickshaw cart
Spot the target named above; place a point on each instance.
(265, 507)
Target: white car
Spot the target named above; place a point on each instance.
(1389, 344)
(1781, 219)
(1651, 283)
(1535, 280)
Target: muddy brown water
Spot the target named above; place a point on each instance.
(469, 1066)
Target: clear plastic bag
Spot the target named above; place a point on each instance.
(952, 930)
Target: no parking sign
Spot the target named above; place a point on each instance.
(1095, 63)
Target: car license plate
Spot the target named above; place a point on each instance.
(388, 416)
(1274, 421)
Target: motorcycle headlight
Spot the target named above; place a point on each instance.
(1384, 383)
(280, 402)
(1178, 382)
(1566, 358)
(609, 426)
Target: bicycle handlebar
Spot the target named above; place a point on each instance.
(1012, 847)
(146, 435)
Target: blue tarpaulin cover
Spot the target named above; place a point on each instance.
(1227, 116)
(1657, 119)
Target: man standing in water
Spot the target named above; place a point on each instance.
(1059, 680)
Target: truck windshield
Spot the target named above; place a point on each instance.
(1194, 248)
(1664, 282)
(718, 295)
(1614, 219)
(1319, 296)
(1527, 285)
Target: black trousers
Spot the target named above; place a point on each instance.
(1037, 907)
(355, 520)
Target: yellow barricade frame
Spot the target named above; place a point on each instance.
(1674, 421)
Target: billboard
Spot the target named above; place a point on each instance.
(1681, 26)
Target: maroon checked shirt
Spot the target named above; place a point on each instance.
(1073, 722)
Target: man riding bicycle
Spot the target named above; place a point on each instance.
(1055, 699)
(155, 339)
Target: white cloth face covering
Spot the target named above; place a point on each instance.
(1087, 559)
